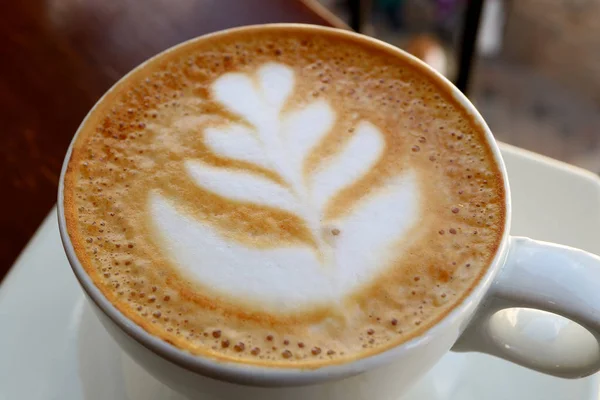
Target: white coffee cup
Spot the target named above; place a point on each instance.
(524, 273)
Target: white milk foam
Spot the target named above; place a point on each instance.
(350, 251)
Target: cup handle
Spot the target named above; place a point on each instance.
(547, 277)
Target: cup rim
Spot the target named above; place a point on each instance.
(269, 376)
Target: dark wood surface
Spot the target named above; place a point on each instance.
(57, 57)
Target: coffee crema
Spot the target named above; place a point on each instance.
(283, 196)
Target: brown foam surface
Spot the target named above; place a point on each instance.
(118, 159)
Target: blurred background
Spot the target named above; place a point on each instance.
(532, 67)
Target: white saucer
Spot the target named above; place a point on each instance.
(52, 347)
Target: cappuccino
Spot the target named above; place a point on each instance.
(284, 197)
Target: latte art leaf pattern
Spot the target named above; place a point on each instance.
(344, 252)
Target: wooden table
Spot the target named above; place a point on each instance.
(57, 57)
